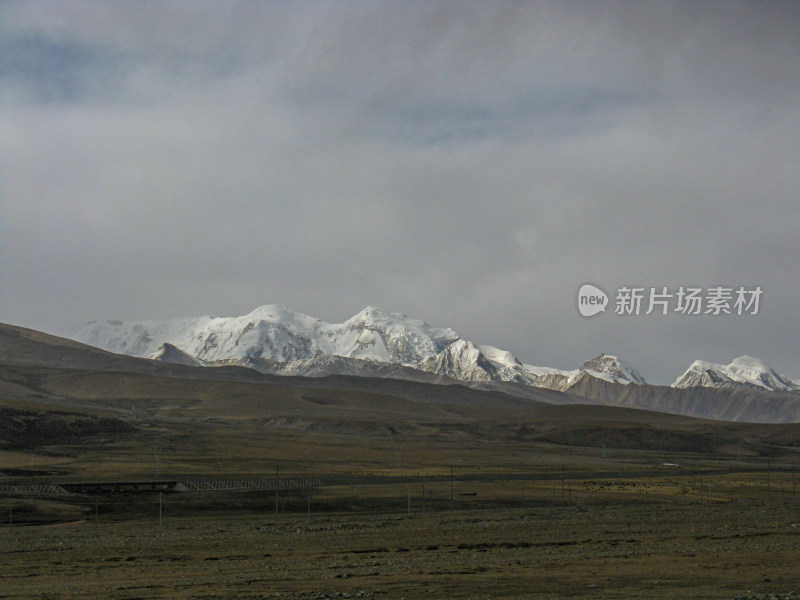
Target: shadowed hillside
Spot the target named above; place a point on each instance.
(92, 412)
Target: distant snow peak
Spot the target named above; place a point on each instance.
(604, 367)
(375, 342)
(502, 358)
(460, 360)
(171, 354)
(613, 369)
(470, 362)
(744, 371)
(384, 336)
(273, 332)
(277, 333)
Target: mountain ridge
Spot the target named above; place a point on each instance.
(277, 333)
(276, 340)
(741, 371)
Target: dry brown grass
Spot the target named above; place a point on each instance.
(621, 549)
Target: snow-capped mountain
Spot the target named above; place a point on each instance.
(460, 360)
(171, 354)
(466, 361)
(374, 343)
(276, 333)
(742, 371)
(295, 341)
(278, 340)
(613, 369)
(604, 367)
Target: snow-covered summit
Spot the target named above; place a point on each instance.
(613, 369)
(171, 354)
(460, 360)
(742, 371)
(384, 336)
(277, 333)
(466, 361)
(605, 367)
(501, 358)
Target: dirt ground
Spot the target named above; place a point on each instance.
(610, 540)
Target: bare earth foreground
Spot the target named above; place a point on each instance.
(697, 548)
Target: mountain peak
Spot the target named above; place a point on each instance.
(172, 354)
(612, 369)
(275, 332)
(270, 309)
(275, 313)
(461, 360)
(744, 370)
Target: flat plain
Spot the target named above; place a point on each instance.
(642, 538)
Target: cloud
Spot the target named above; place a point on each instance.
(467, 163)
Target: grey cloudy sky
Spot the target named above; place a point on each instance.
(466, 163)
